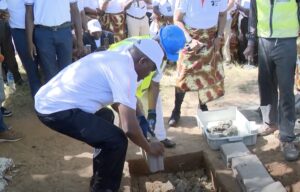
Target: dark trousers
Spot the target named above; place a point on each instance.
(3, 126)
(242, 39)
(30, 65)
(98, 131)
(276, 71)
(54, 48)
(7, 49)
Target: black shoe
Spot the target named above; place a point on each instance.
(5, 112)
(203, 107)
(174, 119)
(168, 143)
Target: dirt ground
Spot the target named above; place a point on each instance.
(48, 161)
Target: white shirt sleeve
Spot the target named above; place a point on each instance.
(123, 86)
(124, 94)
(28, 2)
(223, 5)
(73, 1)
(155, 3)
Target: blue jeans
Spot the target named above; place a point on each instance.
(98, 131)
(54, 48)
(3, 126)
(30, 65)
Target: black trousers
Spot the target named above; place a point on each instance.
(97, 130)
(276, 71)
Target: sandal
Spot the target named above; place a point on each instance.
(267, 129)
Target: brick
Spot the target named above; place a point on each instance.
(250, 173)
(155, 164)
(232, 150)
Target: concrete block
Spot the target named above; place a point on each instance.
(155, 164)
(274, 187)
(250, 173)
(231, 150)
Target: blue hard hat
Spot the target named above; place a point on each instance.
(172, 40)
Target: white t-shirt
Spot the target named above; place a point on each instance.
(137, 10)
(114, 6)
(51, 12)
(98, 43)
(81, 4)
(16, 9)
(93, 4)
(3, 4)
(166, 7)
(91, 83)
(201, 14)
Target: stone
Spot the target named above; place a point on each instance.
(250, 173)
(168, 186)
(181, 186)
(231, 150)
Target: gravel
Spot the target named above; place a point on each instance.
(188, 181)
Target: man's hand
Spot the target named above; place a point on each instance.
(4, 15)
(32, 50)
(249, 51)
(80, 49)
(194, 45)
(156, 148)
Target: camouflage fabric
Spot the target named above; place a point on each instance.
(114, 23)
(201, 71)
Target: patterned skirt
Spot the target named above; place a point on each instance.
(201, 71)
(114, 23)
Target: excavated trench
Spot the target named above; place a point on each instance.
(183, 173)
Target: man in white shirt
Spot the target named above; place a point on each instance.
(69, 101)
(52, 37)
(136, 19)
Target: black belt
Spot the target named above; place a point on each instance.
(139, 18)
(55, 28)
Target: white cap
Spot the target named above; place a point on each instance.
(152, 50)
(94, 26)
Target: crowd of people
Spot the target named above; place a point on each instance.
(82, 55)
